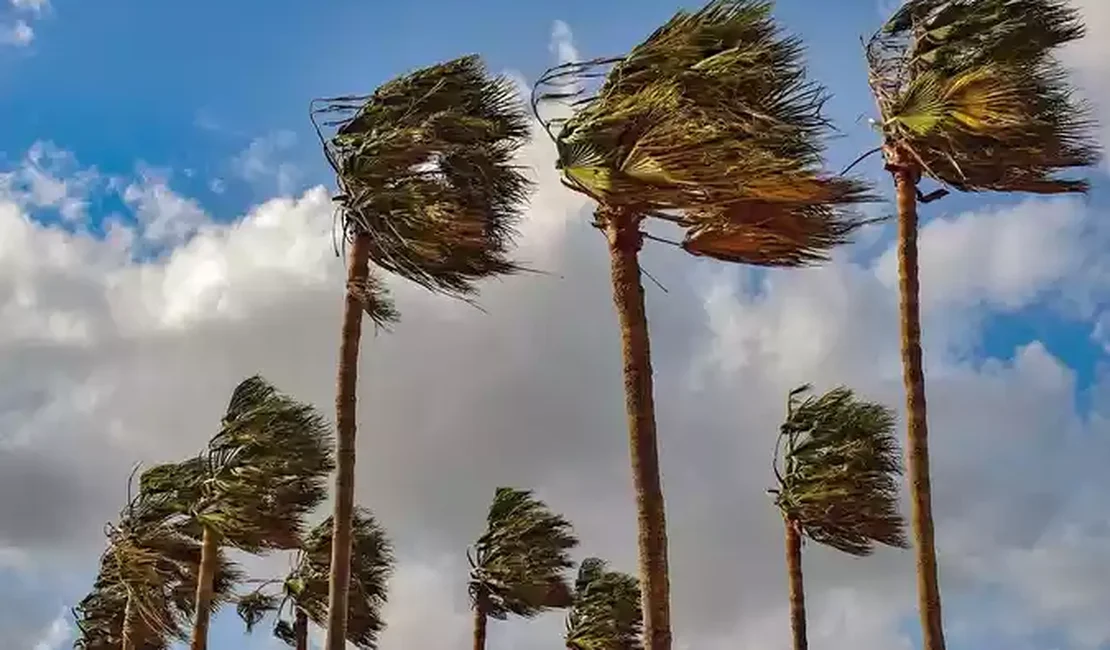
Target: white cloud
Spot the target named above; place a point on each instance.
(18, 34)
(34, 6)
(260, 164)
(55, 636)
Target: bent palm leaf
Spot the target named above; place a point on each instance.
(605, 613)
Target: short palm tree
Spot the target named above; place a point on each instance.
(518, 566)
(144, 594)
(709, 124)
(838, 467)
(605, 613)
(304, 592)
(970, 95)
(252, 487)
(428, 191)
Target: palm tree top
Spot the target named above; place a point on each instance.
(837, 462)
(605, 614)
(711, 123)
(518, 564)
(972, 94)
(425, 167)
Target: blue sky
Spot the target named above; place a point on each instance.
(182, 90)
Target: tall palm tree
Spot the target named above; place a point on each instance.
(970, 95)
(252, 487)
(304, 592)
(428, 191)
(143, 596)
(518, 565)
(838, 467)
(605, 613)
(709, 124)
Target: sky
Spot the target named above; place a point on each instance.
(166, 230)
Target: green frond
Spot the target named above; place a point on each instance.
(972, 93)
(709, 116)
(838, 473)
(605, 613)
(376, 301)
(426, 169)
(519, 563)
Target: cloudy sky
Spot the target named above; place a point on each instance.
(165, 231)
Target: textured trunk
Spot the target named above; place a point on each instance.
(480, 620)
(128, 626)
(797, 588)
(300, 630)
(209, 552)
(917, 437)
(345, 412)
(628, 296)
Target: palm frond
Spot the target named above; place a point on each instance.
(519, 563)
(712, 117)
(838, 474)
(605, 613)
(972, 94)
(425, 169)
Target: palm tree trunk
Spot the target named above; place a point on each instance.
(345, 419)
(625, 241)
(209, 553)
(480, 620)
(128, 627)
(300, 630)
(797, 588)
(917, 436)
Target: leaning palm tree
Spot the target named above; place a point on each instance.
(970, 95)
(251, 488)
(304, 592)
(605, 613)
(428, 191)
(518, 565)
(143, 596)
(838, 468)
(709, 124)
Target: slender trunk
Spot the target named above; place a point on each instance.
(625, 241)
(480, 620)
(209, 553)
(300, 630)
(797, 588)
(345, 413)
(128, 626)
(917, 436)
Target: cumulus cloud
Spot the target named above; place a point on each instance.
(113, 355)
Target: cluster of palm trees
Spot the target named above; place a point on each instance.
(709, 125)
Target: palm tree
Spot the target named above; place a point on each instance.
(304, 592)
(605, 613)
(429, 192)
(709, 124)
(518, 565)
(838, 467)
(252, 487)
(970, 95)
(143, 596)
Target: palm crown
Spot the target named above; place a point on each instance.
(710, 123)
(259, 476)
(425, 169)
(518, 565)
(838, 464)
(970, 91)
(605, 613)
(306, 586)
(146, 584)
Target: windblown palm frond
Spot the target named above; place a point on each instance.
(838, 472)
(518, 566)
(711, 118)
(425, 168)
(259, 476)
(605, 613)
(147, 582)
(306, 586)
(973, 95)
